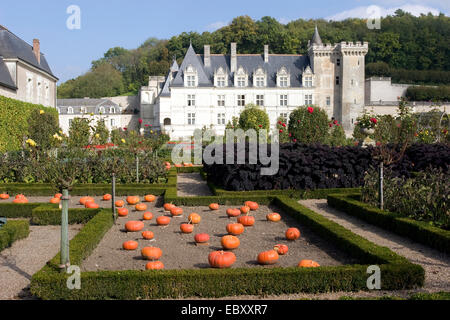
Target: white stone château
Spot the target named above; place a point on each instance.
(209, 90)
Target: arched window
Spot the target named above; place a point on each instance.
(101, 110)
(167, 122)
(70, 110)
(112, 110)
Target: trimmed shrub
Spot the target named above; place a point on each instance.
(12, 231)
(309, 125)
(253, 117)
(422, 93)
(50, 216)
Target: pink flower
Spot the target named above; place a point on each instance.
(295, 140)
(298, 121)
(290, 134)
(140, 121)
(310, 110)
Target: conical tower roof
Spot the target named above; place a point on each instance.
(316, 38)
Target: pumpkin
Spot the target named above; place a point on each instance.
(235, 229)
(151, 253)
(107, 197)
(178, 165)
(168, 206)
(55, 200)
(154, 265)
(187, 228)
(4, 196)
(246, 221)
(20, 196)
(221, 259)
(133, 200)
(214, 206)
(274, 217)
(130, 245)
(141, 207)
(292, 234)
(252, 205)
(58, 195)
(91, 205)
(148, 235)
(281, 249)
(123, 212)
(176, 212)
(167, 164)
(230, 242)
(194, 218)
(83, 200)
(120, 203)
(268, 257)
(20, 201)
(150, 198)
(308, 264)
(245, 210)
(147, 216)
(232, 213)
(201, 238)
(163, 221)
(134, 226)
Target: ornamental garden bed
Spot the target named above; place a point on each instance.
(181, 252)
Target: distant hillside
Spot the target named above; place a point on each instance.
(405, 45)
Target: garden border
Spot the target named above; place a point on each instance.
(13, 230)
(418, 231)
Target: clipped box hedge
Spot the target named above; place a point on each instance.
(21, 210)
(396, 271)
(49, 216)
(419, 231)
(12, 231)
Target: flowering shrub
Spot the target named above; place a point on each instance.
(283, 132)
(309, 125)
(253, 117)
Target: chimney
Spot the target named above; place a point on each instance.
(207, 56)
(37, 50)
(233, 62)
(266, 53)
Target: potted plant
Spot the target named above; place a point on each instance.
(367, 124)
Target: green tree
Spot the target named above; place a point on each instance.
(42, 128)
(79, 133)
(253, 117)
(309, 125)
(101, 133)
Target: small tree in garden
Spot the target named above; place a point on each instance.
(283, 130)
(337, 135)
(42, 128)
(253, 117)
(79, 133)
(101, 133)
(309, 125)
(233, 124)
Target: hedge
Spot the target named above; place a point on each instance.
(418, 231)
(20, 210)
(396, 271)
(14, 115)
(12, 231)
(46, 215)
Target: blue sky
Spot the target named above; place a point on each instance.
(111, 23)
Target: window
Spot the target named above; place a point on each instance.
(113, 122)
(70, 110)
(308, 81)
(221, 119)
(83, 110)
(190, 81)
(112, 110)
(353, 82)
(221, 81)
(337, 80)
(102, 110)
(259, 81)
(283, 100)
(191, 119)
(260, 100)
(241, 100)
(338, 62)
(241, 82)
(284, 115)
(328, 101)
(308, 99)
(191, 100)
(283, 81)
(221, 100)
(167, 122)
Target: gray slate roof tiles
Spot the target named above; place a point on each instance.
(5, 76)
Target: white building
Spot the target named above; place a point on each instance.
(210, 89)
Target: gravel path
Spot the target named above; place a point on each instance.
(192, 185)
(19, 262)
(435, 263)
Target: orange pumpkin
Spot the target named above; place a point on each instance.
(168, 206)
(268, 257)
(147, 216)
(274, 217)
(107, 197)
(133, 200)
(221, 259)
(308, 264)
(235, 229)
(292, 234)
(20, 200)
(150, 198)
(195, 218)
(214, 206)
(120, 203)
(130, 245)
(55, 200)
(20, 196)
(148, 235)
(122, 212)
(252, 205)
(58, 195)
(245, 210)
(178, 166)
(187, 228)
(202, 238)
(151, 253)
(230, 242)
(83, 200)
(233, 213)
(91, 205)
(141, 207)
(246, 221)
(163, 221)
(281, 249)
(4, 196)
(154, 265)
(176, 212)
(134, 226)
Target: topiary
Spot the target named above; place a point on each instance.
(309, 125)
(253, 117)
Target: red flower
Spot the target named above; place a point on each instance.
(374, 120)
(330, 125)
(290, 134)
(260, 125)
(281, 131)
(338, 125)
(140, 121)
(335, 122)
(310, 110)
(378, 143)
(279, 122)
(125, 129)
(147, 125)
(298, 121)
(295, 140)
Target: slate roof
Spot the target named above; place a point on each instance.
(12, 46)
(295, 64)
(5, 76)
(316, 38)
(91, 105)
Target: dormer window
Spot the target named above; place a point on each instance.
(69, 110)
(83, 110)
(112, 110)
(308, 78)
(241, 78)
(101, 110)
(283, 78)
(259, 78)
(190, 77)
(241, 81)
(220, 78)
(308, 81)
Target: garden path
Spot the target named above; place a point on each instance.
(436, 264)
(192, 185)
(25, 257)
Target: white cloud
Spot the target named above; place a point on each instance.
(365, 12)
(284, 20)
(216, 25)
